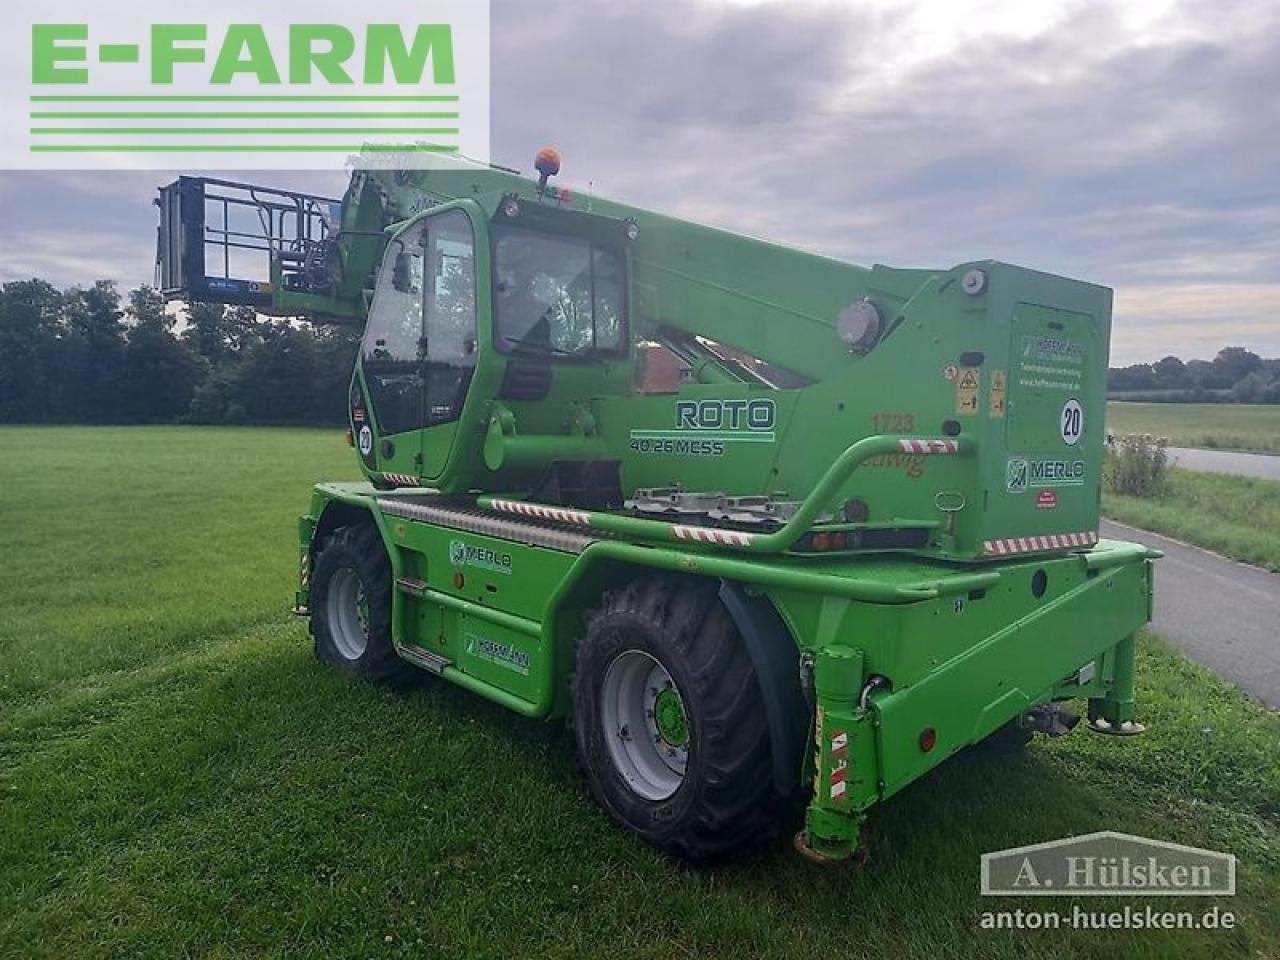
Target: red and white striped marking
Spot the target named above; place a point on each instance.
(1052, 541)
(910, 445)
(732, 538)
(400, 479)
(543, 512)
(839, 764)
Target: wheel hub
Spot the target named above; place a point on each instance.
(669, 719)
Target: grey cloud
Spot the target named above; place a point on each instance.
(1077, 151)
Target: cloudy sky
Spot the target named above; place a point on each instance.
(1133, 144)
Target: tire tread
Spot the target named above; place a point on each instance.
(733, 811)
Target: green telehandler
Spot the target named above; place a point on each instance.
(769, 530)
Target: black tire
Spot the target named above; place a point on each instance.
(354, 552)
(724, 806)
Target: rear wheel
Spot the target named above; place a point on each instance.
(671, 735)
(351, 605)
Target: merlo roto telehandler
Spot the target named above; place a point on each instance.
(770, 530)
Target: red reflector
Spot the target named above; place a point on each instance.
(928, 737)
(458, 581)
(823, 542)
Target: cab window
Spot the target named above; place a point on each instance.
(557, 295)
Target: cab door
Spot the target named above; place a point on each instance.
(418, 353)
(391, 362)
(449, 342)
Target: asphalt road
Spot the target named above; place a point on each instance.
(1223, 614)
(1223, 461)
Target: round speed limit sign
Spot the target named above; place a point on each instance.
(1072, 422)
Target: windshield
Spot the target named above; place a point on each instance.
(556, 294)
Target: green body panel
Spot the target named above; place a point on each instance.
(496, 574)
(964, 666)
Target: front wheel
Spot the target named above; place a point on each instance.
(351, 605)
(671, 732)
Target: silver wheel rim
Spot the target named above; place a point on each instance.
(348, 614)
(650, 763)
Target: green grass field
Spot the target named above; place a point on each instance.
(180, 778)
(1215, 426)
(1238, 517)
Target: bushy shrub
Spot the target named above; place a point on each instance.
(1137, 465)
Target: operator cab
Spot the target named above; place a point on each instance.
(505, 291)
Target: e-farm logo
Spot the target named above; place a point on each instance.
(315, 50)
(282, 86)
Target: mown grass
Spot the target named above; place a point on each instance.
(179, 777)
(1253, 428)
(1238, 517)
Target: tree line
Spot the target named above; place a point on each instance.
(89, 355)
(1235, 375)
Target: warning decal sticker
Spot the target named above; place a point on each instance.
(968, 380)
(997, 393)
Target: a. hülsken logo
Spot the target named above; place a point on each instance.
(238, 86)
(1108, 864)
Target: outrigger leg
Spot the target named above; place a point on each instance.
(1113, 714)
(844, 760)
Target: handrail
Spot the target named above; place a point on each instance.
(1104, 557)
(779, 540)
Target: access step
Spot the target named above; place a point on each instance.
(411, 586)
(424, 658)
